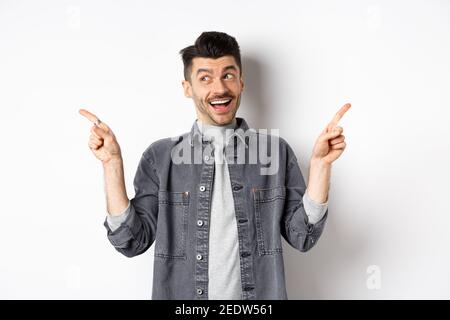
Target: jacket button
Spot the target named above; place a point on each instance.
(199, 257)
(199, 223)
(206, 158)
(242, 220)
(199, 291)
(202, 188)
(237, 187)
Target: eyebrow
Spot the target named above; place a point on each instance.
(230, 67)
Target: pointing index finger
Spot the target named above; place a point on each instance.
(339, 114)
(91, 117)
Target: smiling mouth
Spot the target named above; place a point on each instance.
(220, 103)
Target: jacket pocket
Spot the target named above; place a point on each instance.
(269, 207)
(172, 225)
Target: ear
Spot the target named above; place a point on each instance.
(187, 88)
(242, 82)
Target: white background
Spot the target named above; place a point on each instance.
(302, 61)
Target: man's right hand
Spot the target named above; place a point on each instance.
(102, 141)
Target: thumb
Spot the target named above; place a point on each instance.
(336, 131)
(99, 132)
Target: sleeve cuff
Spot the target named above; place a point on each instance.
(114, 222)
(314, 210)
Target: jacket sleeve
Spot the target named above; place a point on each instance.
(295, 227)
(137, 233)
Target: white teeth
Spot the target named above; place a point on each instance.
(220, 101)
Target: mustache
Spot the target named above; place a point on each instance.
(224, 96)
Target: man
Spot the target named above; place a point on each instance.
(215, 215)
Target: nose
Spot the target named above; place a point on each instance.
(218, 87)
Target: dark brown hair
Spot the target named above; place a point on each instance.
(211, 44)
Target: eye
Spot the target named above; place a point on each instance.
(229, 76)
(204, 78)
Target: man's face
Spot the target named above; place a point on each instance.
(216, 87)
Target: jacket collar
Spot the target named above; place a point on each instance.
(196, 136)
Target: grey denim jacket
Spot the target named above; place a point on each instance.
(172, 203)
